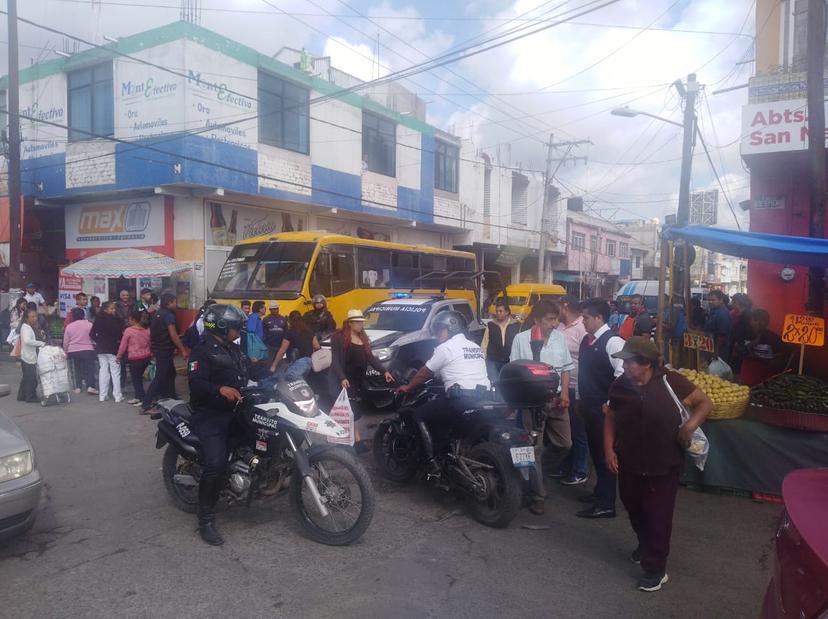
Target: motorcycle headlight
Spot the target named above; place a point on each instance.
(16, 465)
(385, 354)
(307, 408)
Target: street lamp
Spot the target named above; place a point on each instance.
(628, 112)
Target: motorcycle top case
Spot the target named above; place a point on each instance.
(529, 383)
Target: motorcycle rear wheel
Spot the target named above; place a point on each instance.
(396, 455)
(330, 470)
(186, 501)
(502, 501)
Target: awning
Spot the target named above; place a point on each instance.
(780, 248)
(128, 263)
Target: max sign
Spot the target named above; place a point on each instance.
(115, 225)
(773, 127)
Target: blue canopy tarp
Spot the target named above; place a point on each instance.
(801, 250)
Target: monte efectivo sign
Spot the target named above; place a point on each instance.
(775, 127)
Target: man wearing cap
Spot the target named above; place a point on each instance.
(597, 369)
(274, 326)
(33, 295)
(644, 442)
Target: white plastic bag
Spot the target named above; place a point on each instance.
(699, 445)
(342, 413)
(12, 338)
(721, 369)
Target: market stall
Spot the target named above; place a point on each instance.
(759, 434)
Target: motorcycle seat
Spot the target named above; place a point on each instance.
(183, 411)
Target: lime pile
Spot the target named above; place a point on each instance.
(719, 390)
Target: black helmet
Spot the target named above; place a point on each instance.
(453, 321)
(220, 318)
(319, 298)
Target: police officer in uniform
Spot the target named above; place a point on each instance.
(462, 366)
(217, 372)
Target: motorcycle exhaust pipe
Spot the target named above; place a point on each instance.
(304, 470)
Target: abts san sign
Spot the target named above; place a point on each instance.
(775, 127)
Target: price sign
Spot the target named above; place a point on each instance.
(803, 330)
(699, 341)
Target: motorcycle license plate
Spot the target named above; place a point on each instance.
(523, 457)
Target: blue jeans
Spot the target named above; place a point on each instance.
(577, 460)
(296, 370)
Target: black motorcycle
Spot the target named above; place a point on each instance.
(489, 456)
(278, 440)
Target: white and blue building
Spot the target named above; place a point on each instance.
(182, 141)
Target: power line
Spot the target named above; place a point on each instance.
(718, 180)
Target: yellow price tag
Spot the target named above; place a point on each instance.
(804, 330)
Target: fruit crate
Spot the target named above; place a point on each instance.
(728, 410)
(786, 418)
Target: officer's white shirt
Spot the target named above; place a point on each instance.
(459, 361)
(35, 297)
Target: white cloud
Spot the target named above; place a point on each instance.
(354, 58)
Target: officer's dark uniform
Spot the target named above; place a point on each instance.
(213, 364)
(320, 322)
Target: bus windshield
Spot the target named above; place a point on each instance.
(396, 317)
(266, 267)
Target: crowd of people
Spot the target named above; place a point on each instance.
(616, 406)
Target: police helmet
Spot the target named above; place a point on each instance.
(319, 298)
(220, 318)
(451, 320)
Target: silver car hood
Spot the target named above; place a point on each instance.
(12, 440)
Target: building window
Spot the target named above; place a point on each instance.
(578, 241)
(446, 158)
(593, 243)
(520, 189)
(610, 248)
(379, 144)
(91, 108)
(638, 262)
(283, 113)
(624, 250)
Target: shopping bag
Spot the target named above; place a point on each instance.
(256, 348)
(13, 337)
(699, 445)
(343, 414)
(16, 348)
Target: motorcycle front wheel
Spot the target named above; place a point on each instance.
(498, 500)
(396, 454)
(346, 492)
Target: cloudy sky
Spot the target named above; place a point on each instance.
(563, 80)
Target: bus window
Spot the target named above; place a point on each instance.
(333, 272)
(533, 299)
(374, 268)
(459, 264)
(404, 269)
(282, 268)
(430, 263)
(236, 272)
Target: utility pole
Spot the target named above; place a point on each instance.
(816, 145)
(683, 213)
(550, 194)
(15, 232)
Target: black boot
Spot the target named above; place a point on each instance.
(433, 468)
(208, 493)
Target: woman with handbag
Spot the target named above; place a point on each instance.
(351, 355)
(30, 340)
(644, 443)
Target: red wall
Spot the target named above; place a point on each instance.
(782, 174)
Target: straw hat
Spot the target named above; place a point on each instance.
(355, 315)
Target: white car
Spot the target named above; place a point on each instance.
(20, 481)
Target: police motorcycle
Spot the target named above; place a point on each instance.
(279, 441)
(490, 458)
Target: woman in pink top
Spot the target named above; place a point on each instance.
(135, 344)
(81, 351)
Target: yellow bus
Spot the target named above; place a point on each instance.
(352, 273)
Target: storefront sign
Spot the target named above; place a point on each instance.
(227, 224)
(803, 329)
(698, 341)
(773, 127)
(68, 287)
(139, 223)
(767, 203)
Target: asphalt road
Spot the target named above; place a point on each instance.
(108, 543)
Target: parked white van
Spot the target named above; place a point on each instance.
(648, 288)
